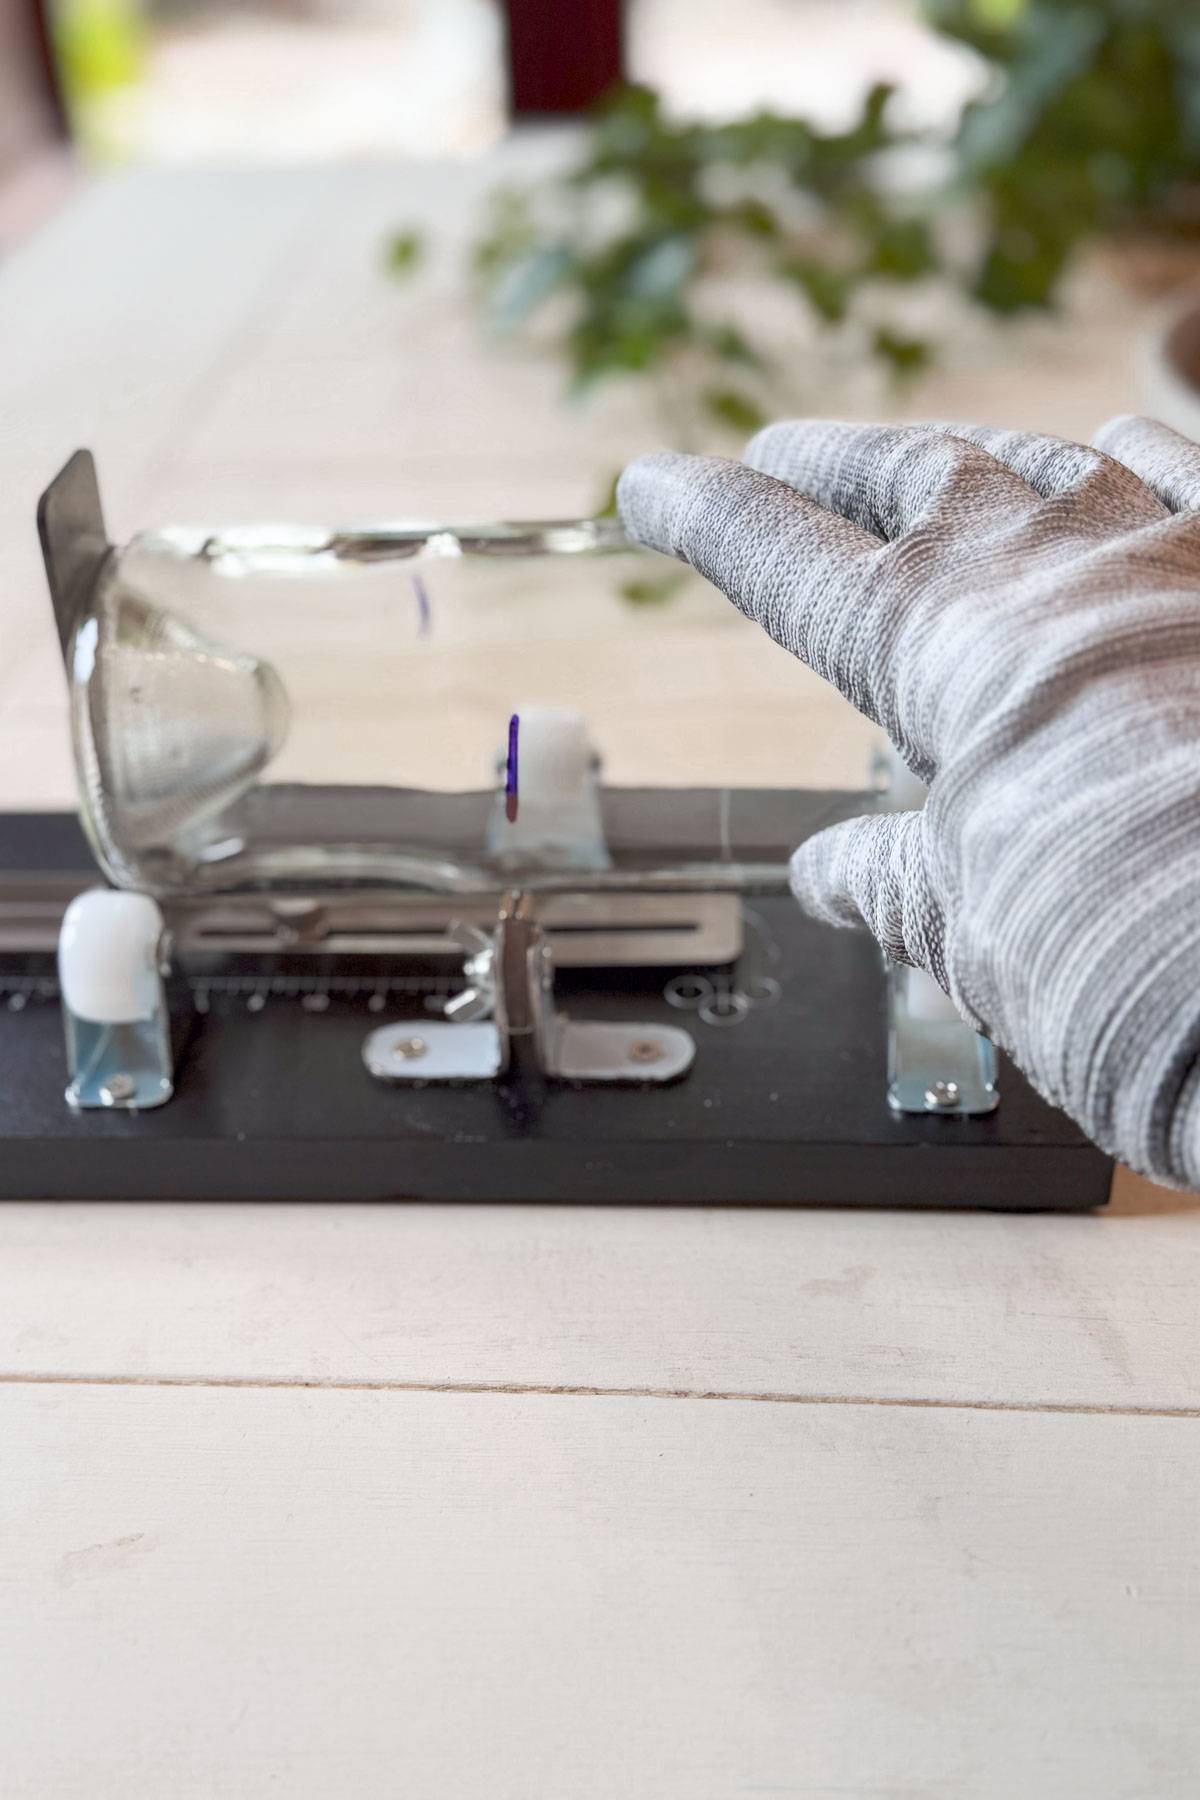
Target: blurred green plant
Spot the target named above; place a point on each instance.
(1091, 124)
(633, 262)
(637, 238)
(403, 252)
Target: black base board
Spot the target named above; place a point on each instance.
(786, 1108)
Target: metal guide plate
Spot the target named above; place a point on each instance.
(617, 930)
(434, 1052)
(585, 1050)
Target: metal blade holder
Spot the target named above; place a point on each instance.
(506, 1019)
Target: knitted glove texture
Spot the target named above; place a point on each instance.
(1021, 615)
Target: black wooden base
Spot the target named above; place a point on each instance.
(786, 1108)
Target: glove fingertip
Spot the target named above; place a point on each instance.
(1117, 431)
(816, 882)
(871, 871)
(648, 491)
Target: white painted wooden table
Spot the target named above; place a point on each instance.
(491, 1504)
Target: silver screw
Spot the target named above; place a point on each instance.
(646, 1050)
(117, 1089)
(409, 1049)
(941, 1095)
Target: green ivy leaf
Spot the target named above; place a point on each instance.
(607, 508)
(652, 590)
(902, 250)
(403, 252)
(526, 282)
(733, 346)
(904, 355)
(755, 218)
(726, 406)
(1018, 271)
(826, 289)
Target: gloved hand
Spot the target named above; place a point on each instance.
(1021, 615)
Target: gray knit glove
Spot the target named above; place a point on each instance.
(1022, 617)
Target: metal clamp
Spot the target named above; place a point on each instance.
(505, 1019)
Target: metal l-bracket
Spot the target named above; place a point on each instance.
(936, 1062)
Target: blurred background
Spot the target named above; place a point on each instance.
(304, 80)
(846, 155)
(329, 259)
(887, 176)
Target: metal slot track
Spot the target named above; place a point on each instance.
(584, 929)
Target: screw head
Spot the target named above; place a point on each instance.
(409, 1049)
(117, 1089)
(645, 1050)
(940, 1096)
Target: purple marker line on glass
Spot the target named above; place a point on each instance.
(510, 771)
(424, 609)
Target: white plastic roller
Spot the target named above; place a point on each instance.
(108, 957)
(558, 822)
(555, 756)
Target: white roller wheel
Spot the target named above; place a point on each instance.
(108, 957)
(558, 823)
(554, 755)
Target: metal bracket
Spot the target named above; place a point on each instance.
(111, 956)
(936, 1062)
(506, 1018)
